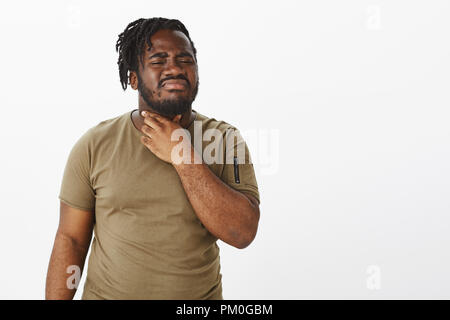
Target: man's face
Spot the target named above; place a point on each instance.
(168, 78)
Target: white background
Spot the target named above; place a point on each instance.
(358, 92)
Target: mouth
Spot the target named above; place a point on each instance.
(176, 84)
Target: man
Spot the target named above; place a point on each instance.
(156, 219)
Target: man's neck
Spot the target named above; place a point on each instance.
(138, 120)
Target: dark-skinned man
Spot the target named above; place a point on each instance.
(155, 219)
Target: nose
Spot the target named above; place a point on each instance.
(173, 68)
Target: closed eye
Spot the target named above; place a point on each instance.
(180, 61)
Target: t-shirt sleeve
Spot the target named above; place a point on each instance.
(238, 170)
(76, 187)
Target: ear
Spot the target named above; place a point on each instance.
(133, 80)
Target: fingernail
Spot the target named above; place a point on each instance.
(144, 113)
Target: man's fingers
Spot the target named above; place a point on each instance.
(147, 130)
(159, 117)
(146, 140)
(154, 115)
(152, 122)
(177, 118)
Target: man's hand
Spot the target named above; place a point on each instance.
(228, 214)
(158, 132)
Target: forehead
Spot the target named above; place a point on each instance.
(169, 40)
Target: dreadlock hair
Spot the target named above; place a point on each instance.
(132, 40)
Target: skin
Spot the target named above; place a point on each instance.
(71, 245)
(156, 69)
(230, 215)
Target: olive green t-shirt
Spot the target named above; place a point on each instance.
(148, 242)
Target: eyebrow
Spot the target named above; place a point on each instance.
(165, 55)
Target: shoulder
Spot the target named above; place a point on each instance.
(98, 138)
(106, 127)
(213, 123)
(104, 130)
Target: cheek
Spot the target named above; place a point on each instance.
(151, 80)
(193, 78)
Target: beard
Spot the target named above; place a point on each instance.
(167, 107)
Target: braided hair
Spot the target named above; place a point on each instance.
(132, 40)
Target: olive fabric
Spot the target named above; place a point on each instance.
(148, 242)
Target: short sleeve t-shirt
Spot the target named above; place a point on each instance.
(148, 242)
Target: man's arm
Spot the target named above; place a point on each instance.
(227, 213)
(70, 248)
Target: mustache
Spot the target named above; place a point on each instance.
(181, 77)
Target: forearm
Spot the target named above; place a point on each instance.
(226, 213)
(64, 254)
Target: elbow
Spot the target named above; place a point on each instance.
(243, 245)
(246, 240)
(249, 229)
